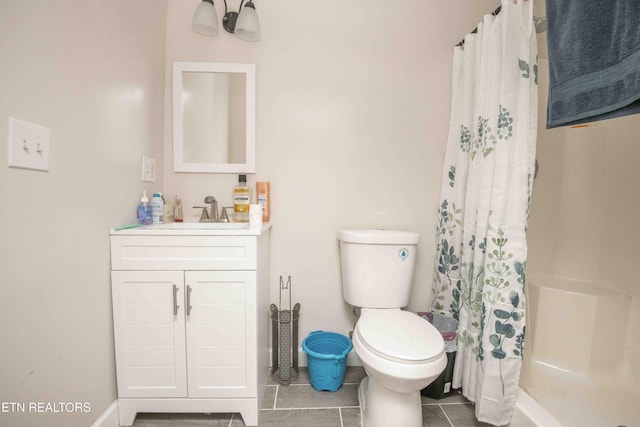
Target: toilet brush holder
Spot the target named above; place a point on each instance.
(284, 337)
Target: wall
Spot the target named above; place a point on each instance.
(352, 119)
(92, 71)
(585, 210)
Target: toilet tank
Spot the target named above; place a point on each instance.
(377, 267)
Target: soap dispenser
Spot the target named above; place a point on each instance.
(144, 209)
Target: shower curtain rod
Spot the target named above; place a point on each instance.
(475, 30)
(540, 23)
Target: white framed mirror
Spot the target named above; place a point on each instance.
(214, 117)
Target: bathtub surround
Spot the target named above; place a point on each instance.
(486, 193)
(584, 228)
(578, 379)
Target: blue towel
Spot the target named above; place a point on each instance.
(594, 60)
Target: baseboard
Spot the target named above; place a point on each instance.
(109, 417)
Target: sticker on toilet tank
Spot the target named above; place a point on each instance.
(403, 254)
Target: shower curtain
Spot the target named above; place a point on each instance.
(479, 273)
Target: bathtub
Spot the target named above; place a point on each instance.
(530, 413)
(572, 374)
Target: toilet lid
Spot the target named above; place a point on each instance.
(379, 236)
(399, 335)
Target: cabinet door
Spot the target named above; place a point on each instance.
(148, 318)
(221, 333)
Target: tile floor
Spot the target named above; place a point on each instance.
(299, 405)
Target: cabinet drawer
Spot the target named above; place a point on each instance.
(183, 253)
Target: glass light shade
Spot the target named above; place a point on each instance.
(205, 19)
(248, 26)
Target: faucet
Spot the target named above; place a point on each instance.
(205, 217)
(214, 207)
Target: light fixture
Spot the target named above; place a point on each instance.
(205, 20)
(244, 23)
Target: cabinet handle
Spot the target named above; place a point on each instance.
(189, 289)
(175, 300)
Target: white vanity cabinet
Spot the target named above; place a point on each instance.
(191, 320)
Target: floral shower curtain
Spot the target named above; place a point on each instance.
(489, 165)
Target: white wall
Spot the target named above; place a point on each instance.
(92, 71)
(585, 210)
(352, 118)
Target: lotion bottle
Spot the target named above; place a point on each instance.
(263, 197)
(241, 200)
(157, 208)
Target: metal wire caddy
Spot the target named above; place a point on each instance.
(284, 335)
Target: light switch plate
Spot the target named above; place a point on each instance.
(28, 145)
(148, 169)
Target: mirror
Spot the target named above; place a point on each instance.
(213, 117)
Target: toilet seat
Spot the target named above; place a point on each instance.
(399, 336)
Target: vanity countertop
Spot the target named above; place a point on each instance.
(192, 229)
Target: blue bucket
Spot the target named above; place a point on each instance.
(327, 359)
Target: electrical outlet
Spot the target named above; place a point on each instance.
(28, 145)
(148, 169)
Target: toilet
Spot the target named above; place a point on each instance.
(401, 352)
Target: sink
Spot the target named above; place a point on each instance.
(192, 229)
(201, 226)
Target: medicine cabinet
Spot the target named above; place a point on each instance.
(214, 117)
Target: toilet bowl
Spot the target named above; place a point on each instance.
(401, 353)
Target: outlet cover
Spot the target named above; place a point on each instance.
(28, 145)
(148, 169)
